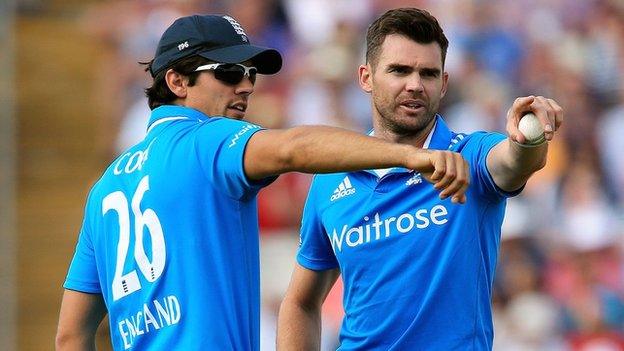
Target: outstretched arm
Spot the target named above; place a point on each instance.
(322, 149)
(299, 322)
(511, 163)
(80, 316)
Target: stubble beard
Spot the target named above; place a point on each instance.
(404, 125)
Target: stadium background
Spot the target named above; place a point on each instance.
(72, 99)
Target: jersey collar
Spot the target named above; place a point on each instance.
(439, 138)
(167, 113)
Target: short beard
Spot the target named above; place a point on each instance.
(406, 130)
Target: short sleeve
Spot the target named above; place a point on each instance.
(83, 275)
(475, 148)
(315, 250)
(220, 147)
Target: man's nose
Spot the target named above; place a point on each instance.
(245, 87)
(414, 83)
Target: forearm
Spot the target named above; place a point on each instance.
(321, 149)
(298, 328)
(512, 164)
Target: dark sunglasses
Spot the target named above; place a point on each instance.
(230, 73)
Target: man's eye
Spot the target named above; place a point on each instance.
(430, 74)
(399, 70)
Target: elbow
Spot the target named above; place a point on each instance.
(67, 339)
(311, 307)
(288, 304)
(63, 339)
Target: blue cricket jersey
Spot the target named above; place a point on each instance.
(417, 270)
(170, 238)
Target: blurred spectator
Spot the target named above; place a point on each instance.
(610, 146)
(605, 34)
(495, 48)
(584, 283)
(525, 316)
(586, 274)
(483, 100)
(131, 28)
(586, 220)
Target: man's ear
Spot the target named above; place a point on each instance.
(177, 83)
(365, 75)
(445, 78)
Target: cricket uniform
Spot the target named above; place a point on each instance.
(417, 270)
(170, 238)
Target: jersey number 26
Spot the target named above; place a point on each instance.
(125, 284)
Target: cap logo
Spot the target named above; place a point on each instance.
(183, 46)
(237, 27)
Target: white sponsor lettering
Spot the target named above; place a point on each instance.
(337, 242)
(424, 221)
(410, 220)
(359, 239)
(439, 211)
(245, 129)
(383, 228)
(159, 314)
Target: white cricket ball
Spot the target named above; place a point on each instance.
(531, 127)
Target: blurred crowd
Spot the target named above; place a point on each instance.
(560, 278)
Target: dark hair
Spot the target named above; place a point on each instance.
(159, 93)
(416, 24)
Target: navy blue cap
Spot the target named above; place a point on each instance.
(217, 38)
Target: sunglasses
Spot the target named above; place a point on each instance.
(230, 73)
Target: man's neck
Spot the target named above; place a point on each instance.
(418, 139)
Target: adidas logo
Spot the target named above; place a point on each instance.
(344, 189)
(415, 179)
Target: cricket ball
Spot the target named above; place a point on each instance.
(532, 129)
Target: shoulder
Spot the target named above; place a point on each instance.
(222, 129)
(225, 124)
(477, 141)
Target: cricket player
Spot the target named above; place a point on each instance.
(417, 269)
(169, 241)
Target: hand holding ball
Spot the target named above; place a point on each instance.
(532, 129)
